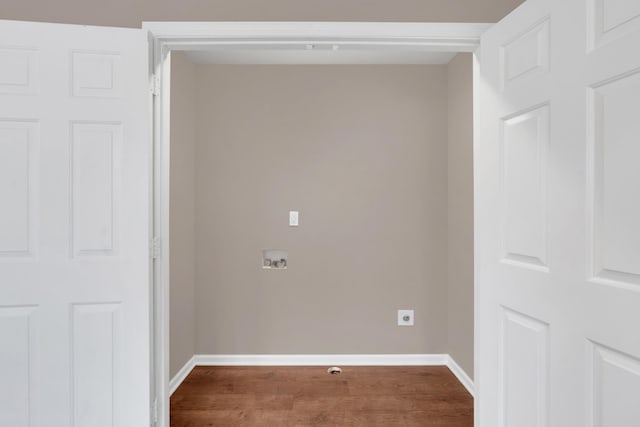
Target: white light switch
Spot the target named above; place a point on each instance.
(293, 218)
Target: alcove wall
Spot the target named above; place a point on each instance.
(377, 160)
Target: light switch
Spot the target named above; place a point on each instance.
(293, 218)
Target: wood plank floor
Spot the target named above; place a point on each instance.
(308, 396)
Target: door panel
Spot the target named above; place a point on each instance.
(614, 132)
(611, 20)
(97, 363)
(95, 190)
(18, 369)
(524, 383)
(557, 202)
(19, 142)
(525, 137)
(74, 257)
(18, 70)
(525, 55)
(610, 374)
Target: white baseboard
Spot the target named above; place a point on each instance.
(321, 360)
(461, 375)
(181, 375)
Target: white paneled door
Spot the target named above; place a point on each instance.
(74, 219)
(557, 216)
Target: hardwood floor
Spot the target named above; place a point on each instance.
(308, 396)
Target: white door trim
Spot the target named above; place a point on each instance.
(168, 36)
(443, 37)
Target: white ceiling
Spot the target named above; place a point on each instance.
(310, 54)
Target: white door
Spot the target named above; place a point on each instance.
(558, 216)
(74, 226)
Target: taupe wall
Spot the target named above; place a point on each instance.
(377, 159)
(130, 13)
(182, 212)
(361, 152)
(460, 211)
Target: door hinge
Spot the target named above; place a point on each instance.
(156, 248)
(154, 412)
(154, 85)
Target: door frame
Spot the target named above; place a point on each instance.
(168, 36)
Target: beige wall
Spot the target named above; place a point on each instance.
(377, 159)
(361, 152)
(130, 13)
(182, 212)
(460, 211)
